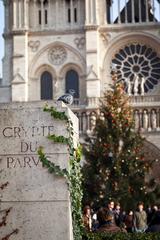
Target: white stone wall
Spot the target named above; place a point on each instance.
(90, 43)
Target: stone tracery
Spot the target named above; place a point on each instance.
(57, 55)
(140, 60)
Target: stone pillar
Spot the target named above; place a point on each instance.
(72, 12)
(126, 12)
(140, 119)
(56, 14)
(35, 17)
(91, 12)
(140, 11)
(19, 79)
(49, 13)
(20, 14)
(14, 14)
(42, 15)
(39, 201)
(26, 13)
(158, 119)
(87, 11)
(147, 17)
(149, 120)
(133, 12)
(119, 12)
(79, 11)
(7, 15)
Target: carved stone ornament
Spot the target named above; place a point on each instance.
(57, 55)
(105, 37)
(80, 42)
(34, 45)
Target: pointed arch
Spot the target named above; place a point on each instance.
(46, 86)
(72, 82)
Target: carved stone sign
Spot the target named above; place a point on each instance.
(39, 201)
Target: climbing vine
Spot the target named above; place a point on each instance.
(72, 174)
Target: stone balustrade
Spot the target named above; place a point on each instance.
(139, 100)
(146, 114)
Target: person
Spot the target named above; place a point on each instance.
(155, 222)
(153, 215)
(87, 220)
(106, 219)
(95, 223)
(129, 221)
(118, 215)
(140, 219)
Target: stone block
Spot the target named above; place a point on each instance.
(39, 201)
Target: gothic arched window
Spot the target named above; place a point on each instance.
(46, 86)
(72, 82)
(139, 60)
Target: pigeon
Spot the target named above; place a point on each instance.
(68, 97)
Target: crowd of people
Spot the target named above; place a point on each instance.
(112, 219)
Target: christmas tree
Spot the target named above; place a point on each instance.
(115, 167)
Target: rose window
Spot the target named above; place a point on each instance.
(139, 67)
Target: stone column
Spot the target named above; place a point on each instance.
(119, 12)
(126, 13)
(49, 13)
(133, 12)
(147, 17)
(78, 12)
(87, 11)
(20, 14)
(140, 11)
(140, 119)
(26, 13)
(35, 17)
(42, 15)
(7, 15)
(149, 120)
(158, 119)
(94, 11)
(56, 13)
(72, 12)
(14, 14)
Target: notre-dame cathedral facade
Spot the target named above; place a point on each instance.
(52, 46)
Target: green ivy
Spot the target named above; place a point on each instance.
(72, 174)
(58, 139)
(121, 236)
(55, 114)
